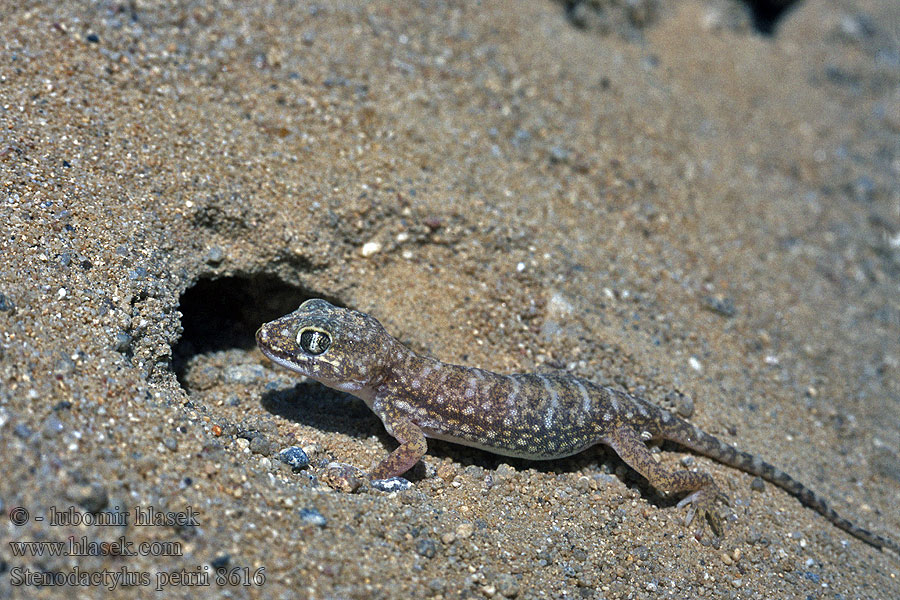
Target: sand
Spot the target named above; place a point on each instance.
(675, 204)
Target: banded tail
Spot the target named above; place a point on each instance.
(708, 445)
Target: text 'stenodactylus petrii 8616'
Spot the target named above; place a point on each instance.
(531, 416)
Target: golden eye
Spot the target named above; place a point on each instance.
(314, 341)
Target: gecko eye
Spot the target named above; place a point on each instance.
(314, 341)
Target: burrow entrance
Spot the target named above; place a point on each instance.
(224, 314)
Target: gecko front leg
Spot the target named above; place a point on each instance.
(704, 492)
(412, 441)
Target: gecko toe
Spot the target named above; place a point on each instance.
(715, 522)
(703, 502)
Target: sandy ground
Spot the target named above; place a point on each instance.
(676, 205)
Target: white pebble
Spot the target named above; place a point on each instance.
(695, 364)
(370, 248)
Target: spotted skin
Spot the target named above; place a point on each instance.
(532, 416)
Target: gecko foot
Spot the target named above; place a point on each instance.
(703, 502)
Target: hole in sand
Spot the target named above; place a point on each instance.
(223, 314)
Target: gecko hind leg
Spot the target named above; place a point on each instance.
(704, 493)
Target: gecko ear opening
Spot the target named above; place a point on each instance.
(314, 341)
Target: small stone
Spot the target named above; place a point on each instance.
(426, 547)
(447, 472)
(122, 342)
(311, 516)
(22, 431)
(170, 443)
(244, 374)
(507, 586)
(504, 471)
(214, 256)
(294, 457)
(342, 477)
(391, 484)
(260, 445)
(559, 155)
(370, 248)
(448, 538)
(6, 304)
(720, 305)
(685, 406)
(757, 484)
(465, 530)
(220, 562)
(53, 426)
(91, 497)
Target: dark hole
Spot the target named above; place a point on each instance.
(224, 313)
(768, 13)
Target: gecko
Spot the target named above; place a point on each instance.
(529, 416)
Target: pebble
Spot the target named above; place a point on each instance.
(342, 477)
(391, 484)
(720, 305)
(260, 445)
(123, 342)
(370, 248)
(312, 516)
(214, 256)
(244, 374)
(53, 426)
(447, 472)
(426, 547)
(465, 530)
(507, 586)
(92, 497)
(295, 457)
(22, 431)
(757, 484)
(6, 303)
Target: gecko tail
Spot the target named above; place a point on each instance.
(708, 445)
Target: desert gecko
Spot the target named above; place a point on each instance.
(531, 416)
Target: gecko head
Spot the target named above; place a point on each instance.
(339, 347)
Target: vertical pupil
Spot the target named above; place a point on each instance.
(314, 342)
